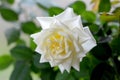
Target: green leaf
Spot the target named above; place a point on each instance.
(89, 16)
(103, 71)
(5, 61)
(8, 14)
(114, 29)
(90, 61)
(115, 45)
(117, 64)
(20, 42)
(94, 28)
(12, 35)
(54, 11)
(37, 63)
(64, 76)
(32, 44)
(21, 71)
(104, 6)
(34, 69)
(86, 66)
(102, 51)
(78, 7)
(84, 70)
(10, 1)
(48, 74)
(21, 52)
(29, 27)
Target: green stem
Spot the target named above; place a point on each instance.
(119, 26)
(41, 6)
(102, 28)
(115, 68)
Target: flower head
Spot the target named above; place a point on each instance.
(63, 41)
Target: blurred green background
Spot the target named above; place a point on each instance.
(18, 61)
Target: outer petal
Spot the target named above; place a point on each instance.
(66, 15)
(74, 22)
(91, 42)
(57, 24)
(80, 35)
(43, 59)
(38, 50)
(54, 63)
(36, 37)
(86, 29)
(67, 64)
(86, 47)
(75, 63)
(45, 22)
(61, 68)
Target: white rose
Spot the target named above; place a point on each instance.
(63, 42)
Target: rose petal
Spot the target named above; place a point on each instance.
(36, 37)
(38, 50)
(66, 15)
(77, 48)
(67, 64)
(91, 42)
(45, 22)
(52, 63)
(80, 35)
(57, 24)
(74, 22)
(75, 63)
(86, 29)
(61, 68)
(43, 58)
(86, 47)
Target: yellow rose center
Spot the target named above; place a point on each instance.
(56, 44)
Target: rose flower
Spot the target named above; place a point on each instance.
(63, 41)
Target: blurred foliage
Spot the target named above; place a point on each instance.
(89, 16)
(104, 6)
(5, 61)
(12, 35)
(101, 63)
(21, 71)
(29, 27)
(78, 7)
(54, 11)
(8, 14)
